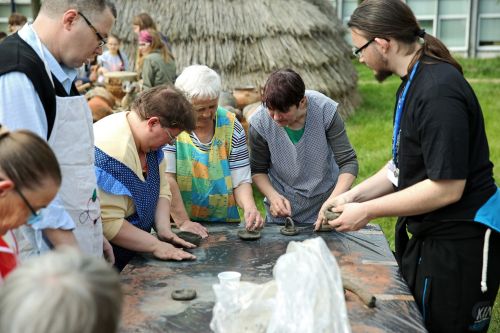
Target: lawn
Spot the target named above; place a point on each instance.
(370, 128)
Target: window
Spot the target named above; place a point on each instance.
(426, 13)
(453, 32)
(488, 23)
(428, 25)
(453, 26)
(423, 7)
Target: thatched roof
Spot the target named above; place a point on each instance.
(245, 40)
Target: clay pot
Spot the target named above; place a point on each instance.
(226, 99)
(250, 109)
(113, 82)
(246, 95)
(100, 108)
(103, 93)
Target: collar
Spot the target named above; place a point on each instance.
(62, 73)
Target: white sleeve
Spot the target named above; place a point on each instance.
(240, 176)
(55, 216)
(170, 161)
(20, 106)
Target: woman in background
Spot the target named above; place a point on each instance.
(155, 64)
(144, 21)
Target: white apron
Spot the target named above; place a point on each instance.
(72, 140)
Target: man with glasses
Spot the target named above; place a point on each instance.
(135, 196)
(37, 70)
(439, 181)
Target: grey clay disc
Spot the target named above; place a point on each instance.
(248, 235)
(289, 231)
(183, 294)
(190, 237)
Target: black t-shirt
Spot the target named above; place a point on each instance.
(443, 137)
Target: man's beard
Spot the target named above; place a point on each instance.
(380, 76)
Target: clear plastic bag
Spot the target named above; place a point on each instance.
(306, 295)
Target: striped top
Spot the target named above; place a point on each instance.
(239, 162)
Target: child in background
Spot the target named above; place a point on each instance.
(113, 60)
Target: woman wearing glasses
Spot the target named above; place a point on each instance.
(155, 63)
(29, 179)
(133, 193)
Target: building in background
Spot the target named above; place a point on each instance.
(470, 28)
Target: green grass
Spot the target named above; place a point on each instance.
(481, 68)
(370, 129)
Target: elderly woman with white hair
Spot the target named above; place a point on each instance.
(208, 169)
(61, 291)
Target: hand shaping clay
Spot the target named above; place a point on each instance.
(329, 215)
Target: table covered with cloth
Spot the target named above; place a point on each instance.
(364, 256)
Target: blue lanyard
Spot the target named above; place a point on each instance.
(399, 113)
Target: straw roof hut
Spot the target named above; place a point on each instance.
(244, 41)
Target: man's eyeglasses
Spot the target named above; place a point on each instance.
(102, 40)
(357, 52)
(172, 138)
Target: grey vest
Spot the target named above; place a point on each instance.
(304, 173)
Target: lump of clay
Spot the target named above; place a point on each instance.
(183, 294)
(289, 229)
(189, 237)
(329, 215)
(248, 234)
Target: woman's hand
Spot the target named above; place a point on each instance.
(171, 237)
(253, 219)
(195, 228)
(280, 206)
(166, 251)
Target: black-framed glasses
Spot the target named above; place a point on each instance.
(172, 138)
(102, 40)
(357, 52)
(33, 211)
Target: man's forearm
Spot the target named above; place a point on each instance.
(60, 237)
